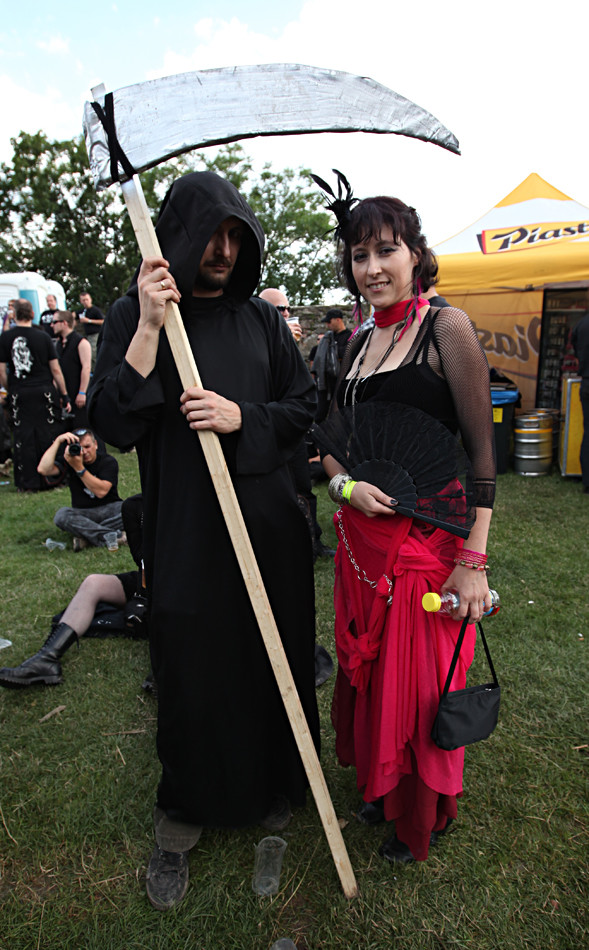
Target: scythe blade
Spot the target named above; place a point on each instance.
(161, 118)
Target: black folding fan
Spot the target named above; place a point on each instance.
(409, 455)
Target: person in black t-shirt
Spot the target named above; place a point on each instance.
(90, 320)
(90, 316)
(30, 371)
(92, 479)
(46, 318)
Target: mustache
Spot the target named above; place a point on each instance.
(218, 259)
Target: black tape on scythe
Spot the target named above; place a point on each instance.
(107, 118)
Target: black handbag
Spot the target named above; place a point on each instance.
(466, 715)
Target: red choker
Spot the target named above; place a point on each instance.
(397, 311)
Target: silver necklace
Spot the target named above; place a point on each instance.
(355, 380)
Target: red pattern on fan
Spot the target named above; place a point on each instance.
(408, 454)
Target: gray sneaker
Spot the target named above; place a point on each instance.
(166, 880)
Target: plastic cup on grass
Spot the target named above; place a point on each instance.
(111, 541)
(268, 865)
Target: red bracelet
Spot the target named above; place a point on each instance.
(475, 567)
(474, 556)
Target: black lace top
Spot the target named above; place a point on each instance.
(445, 373)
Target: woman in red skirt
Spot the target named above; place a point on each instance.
(393, 656)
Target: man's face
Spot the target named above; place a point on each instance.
(86, 300)
(89, 449)
(59, 326)
(278, 299)
(218, 260)
(51, 302)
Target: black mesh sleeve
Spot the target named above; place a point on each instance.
(466, 370)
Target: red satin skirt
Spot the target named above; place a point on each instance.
(393, 662)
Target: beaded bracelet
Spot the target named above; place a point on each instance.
(475, 567)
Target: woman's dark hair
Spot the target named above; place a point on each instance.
(368, 219)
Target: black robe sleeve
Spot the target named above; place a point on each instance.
(272, 430)
(122, 404)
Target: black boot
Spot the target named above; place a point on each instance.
(44, 667)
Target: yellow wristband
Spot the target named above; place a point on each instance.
(347, 490)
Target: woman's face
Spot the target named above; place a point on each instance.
(383, 270)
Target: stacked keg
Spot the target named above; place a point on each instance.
(535, 441)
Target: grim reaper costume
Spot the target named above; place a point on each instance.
(223, 739)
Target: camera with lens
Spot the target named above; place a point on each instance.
(75, 448)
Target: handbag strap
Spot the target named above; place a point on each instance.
(457, 648)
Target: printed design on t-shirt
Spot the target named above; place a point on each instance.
(22, 357)
(87, 490)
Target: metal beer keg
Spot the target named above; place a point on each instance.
(532, 443)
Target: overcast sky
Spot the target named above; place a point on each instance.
(508, 78)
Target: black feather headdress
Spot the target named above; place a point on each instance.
(341, 206)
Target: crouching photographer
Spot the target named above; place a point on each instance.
(92, 477)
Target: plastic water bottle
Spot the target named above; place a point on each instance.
(449, 601)
(5, 643)
(284, 944)
(52, 545)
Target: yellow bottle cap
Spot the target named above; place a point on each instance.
(431, 601)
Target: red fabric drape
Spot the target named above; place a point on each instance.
(393, 661)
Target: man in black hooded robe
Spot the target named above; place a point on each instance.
(228, 755)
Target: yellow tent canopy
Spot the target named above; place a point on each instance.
(500, 269)
(534, 236)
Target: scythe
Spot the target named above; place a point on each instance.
(142, 125)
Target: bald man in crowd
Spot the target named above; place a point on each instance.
(280, 301)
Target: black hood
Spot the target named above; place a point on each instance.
(191, 212)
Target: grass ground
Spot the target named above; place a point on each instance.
(78, 773)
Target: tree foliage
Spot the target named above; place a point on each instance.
(53, 221)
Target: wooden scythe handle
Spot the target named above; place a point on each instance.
(186, 365)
